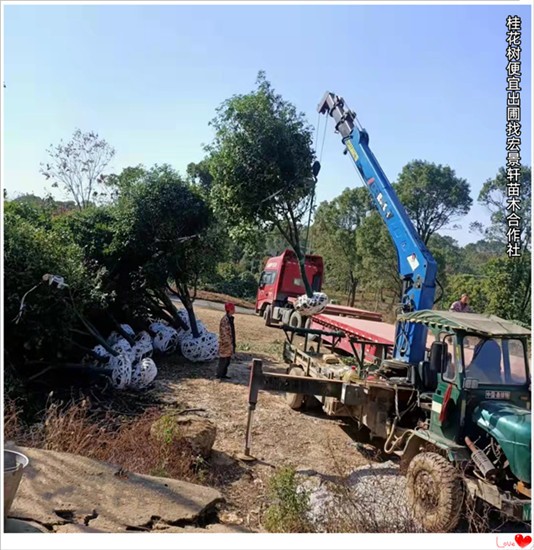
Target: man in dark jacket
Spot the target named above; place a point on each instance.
(226, 341)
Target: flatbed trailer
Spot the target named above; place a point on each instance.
(317, 362)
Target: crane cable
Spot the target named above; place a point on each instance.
(308, 238)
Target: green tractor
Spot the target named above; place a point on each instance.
(460, 420)
(476, 440)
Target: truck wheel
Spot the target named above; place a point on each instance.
(295, 400)
(435, 492)
(295, 320)
(267, 316)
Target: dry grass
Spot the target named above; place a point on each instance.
(74, 428)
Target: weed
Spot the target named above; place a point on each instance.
(74, 428)
(289, 505)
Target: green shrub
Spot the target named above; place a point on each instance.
(287, 512)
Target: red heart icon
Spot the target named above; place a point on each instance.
(523, 541)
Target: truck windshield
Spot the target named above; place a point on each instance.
(494, 361)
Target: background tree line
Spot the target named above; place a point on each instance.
(134, 244)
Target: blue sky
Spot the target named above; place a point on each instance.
(427, 82)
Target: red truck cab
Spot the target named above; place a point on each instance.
(281, 283)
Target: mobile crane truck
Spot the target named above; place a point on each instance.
(457, 412)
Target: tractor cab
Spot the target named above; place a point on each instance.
(479, 381)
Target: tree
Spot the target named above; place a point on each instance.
(165, 232)
(477, 254)
(42, 322)
(379, 258)
(494, 196)
(334, 236)
(199, 174)
(432, 195)
(261, 163)
(78, 166)
(508, 287)
(449, 259)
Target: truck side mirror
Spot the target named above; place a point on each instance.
(435, 365)
(438, 353)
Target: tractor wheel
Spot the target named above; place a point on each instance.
(267, 316)
(435, 492)
(295, 400)
(295, 320)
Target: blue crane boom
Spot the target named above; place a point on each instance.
(417, 266)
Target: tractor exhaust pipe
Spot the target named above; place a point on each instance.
(482, 462)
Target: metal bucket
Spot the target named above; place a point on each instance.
(14, 464)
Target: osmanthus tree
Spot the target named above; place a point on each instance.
(165, 230)
(262, 166)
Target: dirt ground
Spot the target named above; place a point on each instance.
(308, 441)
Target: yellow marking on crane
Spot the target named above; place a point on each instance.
(352, 151)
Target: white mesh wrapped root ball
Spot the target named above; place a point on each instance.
(165, 340)
(200, 327)
(102, 352)
(157, 326)
(121, 366)
(128, 330)
(182, 334)
(113, 338)
(311, 306)
(123, 346)
(143, 346)
(203, 348)
(143, 374)
(122, 371)
(184, 316)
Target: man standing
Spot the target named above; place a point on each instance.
(226, 341)
(461, 305)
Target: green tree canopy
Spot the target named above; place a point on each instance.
(334, 236)
(494, 196)
(261, 163)
(433, 196)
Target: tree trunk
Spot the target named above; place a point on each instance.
(185, 297)
(353, 285)
(302, 266)
(171, 309)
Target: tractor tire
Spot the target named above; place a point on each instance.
(295, 400)
(295, 320)
(435, 492)
(267, 316)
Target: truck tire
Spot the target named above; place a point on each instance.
(435, 492)
(295, 400)
(295, 320)
(267, 316)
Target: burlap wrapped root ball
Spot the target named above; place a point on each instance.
(307, 306)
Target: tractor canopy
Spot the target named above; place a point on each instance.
(475, 323)
(511, 428)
